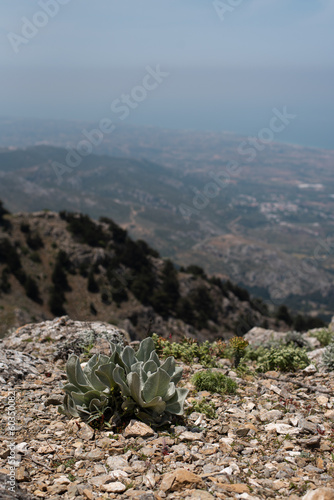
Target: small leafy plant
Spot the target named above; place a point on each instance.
(208, 380)
(126, 384)
(238, 345)
(328, 357)
(189, 349)
(208, 409)
(325, 336)
(285, 358)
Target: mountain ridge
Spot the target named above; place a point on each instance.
(263, 233)
(53, 264)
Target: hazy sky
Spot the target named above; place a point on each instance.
(227, 69)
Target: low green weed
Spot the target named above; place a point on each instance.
(209, 409)
(286, 359)
(328, 357)
(188, 349)
(208, 380)
(325, 336)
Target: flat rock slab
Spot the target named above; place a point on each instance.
(179, 480)
(138, 429)
(320, 494)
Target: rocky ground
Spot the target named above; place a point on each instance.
(273, 439)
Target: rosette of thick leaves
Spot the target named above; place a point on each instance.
(127, 382)
(90, 389)
(149, 387)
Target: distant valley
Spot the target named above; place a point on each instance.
(267, 223)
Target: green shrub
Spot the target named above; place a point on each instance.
(133, 255)
(92, 285)
(32, 290)
(59, 278)
(126, 384)
(25, 227)
(165, 297)
(65, 262)
(142, 286)
(106, 296)
(285, 358)
(144, 247)
(328, 357)
(9, 256)
(119, 235)
(283, 314)
(239, 292)
(202, 406)
(34, 241)
(85, 230)
(56, 302)
(3, 221)
(92, 309)
(119, 295)
(5, 285)
(203, 306)
(195, 271)
(184, 311)
(252, 353)
(189, 349)
(208, 380)
(305, 323)
(325, 336)
(34, 256)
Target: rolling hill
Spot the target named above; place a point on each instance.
(268, 226)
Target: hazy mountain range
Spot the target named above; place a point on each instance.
(259, 214)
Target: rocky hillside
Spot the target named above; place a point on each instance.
(53, 264)
(265, 225)
(271, 437)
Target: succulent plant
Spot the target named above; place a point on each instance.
(126, 383)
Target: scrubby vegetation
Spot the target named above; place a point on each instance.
(10, 257)
(56, 302)
(85, 230)
(92, 285)
(325, 336)
(34, 241)
(202, 406)
(214, 382)
(59, 277)
(328, 357)
(32, 290)
(3, 221)
(305, 323)
(190, 351)
(4, 281)
(285, 358)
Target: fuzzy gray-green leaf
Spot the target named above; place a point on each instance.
(120, 380)
(145, 349)
(175, 404)
(156, 385)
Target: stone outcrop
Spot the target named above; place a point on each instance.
(264, 442)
